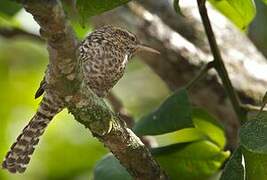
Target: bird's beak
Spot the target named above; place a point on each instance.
(142, 47)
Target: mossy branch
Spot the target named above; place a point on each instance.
(87, 108)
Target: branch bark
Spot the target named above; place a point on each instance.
(184, 49)
(86, 107)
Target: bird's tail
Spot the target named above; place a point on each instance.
(20, 152)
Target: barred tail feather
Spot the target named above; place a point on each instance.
(20, 152)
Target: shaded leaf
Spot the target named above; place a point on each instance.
(253, 134)
(90, 8)
(70, 9)
(9, 7)
(181, 136)
(186, 161)
(109, 168)
(6, 21)
(240, 12)
(209, 126)
(80, 31)
(264, 101)
(256, 165)
(173, 114)
(234, 170)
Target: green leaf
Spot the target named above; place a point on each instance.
(234, 170)
(195, 160)
(181, 136)
(256, 165)
(240, 12)
(8, 22)
(265, 1)
(253, 134)
(90, 8)
(109, 168)
(173, 114)
(209, 126)
(9, 7)
(80, 31)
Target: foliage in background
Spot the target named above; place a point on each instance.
(66, 151)
(249, 159)
(195, 146)
(191, 141)
(240, 12)
(90, 8)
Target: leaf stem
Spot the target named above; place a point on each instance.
(218, 62)
(200, 75)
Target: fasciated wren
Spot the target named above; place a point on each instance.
(102, 58)
(104, 54)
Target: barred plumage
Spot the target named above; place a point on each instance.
(20, 152)
(102, 57)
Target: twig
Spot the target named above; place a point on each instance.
(200, 75)
(218, 62)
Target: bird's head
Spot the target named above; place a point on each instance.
(128, 41)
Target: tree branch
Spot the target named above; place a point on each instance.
(93, 113)
(86, 107)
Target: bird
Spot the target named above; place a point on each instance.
(104, 54)
(102, 58)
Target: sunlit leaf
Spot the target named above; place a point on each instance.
(265, 1)
(240, 12)
(253, 134)
(173, 114)
(90, 8)
(209, 126)
(206, 127)
(234, 170)
(186, 161)
(196, 160)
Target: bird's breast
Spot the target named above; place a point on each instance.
(102, 74)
